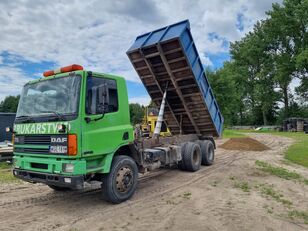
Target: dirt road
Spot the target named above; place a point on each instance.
(232, 194)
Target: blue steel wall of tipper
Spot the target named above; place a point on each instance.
(181, 31)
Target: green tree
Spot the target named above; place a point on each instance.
(9, 104)
(136, 113)
(253, 64)
(228, 93)
(287, 35)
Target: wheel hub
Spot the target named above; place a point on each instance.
(124, 179)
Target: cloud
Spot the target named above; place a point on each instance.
(142, 100)
(97, 34)
(205, 60)
(11, 81)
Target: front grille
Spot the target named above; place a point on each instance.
(33, 139)
(38, 144)
(32, 150)
(39, 139)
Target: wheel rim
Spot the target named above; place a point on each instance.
(196, 157)
(124, 179)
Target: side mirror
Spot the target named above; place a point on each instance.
(102, 98)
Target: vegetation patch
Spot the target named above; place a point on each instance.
(270, 192)
(4, 165)
(7, 177)
(186, 195)
(298, 152)
(243, 185)
(179, 198)
(269, 209)
(280, 172)
(295, 214)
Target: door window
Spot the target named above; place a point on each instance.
(93, 106)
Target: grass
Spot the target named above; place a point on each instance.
(298, 152)
(227, 133)
(242, 185)
(268, 191)
(6, 175)
(4, 165)
(277, 171)
(186, 195)
(179, 198)
(269, 209)
(281, 172)
(299, 214)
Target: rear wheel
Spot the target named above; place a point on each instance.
(181, 164)
(191, 156)
(121, 182)
(207, 150)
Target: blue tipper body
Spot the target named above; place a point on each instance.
(168, 57)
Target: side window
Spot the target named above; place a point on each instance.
(94, 97)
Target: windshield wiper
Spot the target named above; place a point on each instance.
(59, 116)
(24, 119)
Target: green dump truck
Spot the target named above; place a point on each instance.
(73, 125)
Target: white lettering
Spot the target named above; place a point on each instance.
(32, 129)
(55, 126)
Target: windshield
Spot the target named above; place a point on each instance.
(55, 99)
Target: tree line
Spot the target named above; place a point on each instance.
(255, 86)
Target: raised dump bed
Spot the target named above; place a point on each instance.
(169, 56)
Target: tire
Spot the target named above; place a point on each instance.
(208, 152)
(192, 157)
(181, 164)
(59, 189)
(121, 182)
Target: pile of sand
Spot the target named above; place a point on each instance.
(246, 144)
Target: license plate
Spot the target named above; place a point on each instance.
(58, 144)
(58, 149)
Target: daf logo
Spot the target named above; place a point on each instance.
(58, 139)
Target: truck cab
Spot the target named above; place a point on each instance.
(69, 125)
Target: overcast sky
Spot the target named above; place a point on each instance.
(39, 35)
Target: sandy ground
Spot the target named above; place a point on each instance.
(172, 200)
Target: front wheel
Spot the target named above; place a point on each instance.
(121, 182)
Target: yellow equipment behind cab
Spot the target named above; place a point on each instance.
(149, 123)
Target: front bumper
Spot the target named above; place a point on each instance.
(76, 182)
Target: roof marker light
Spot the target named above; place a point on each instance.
(74, 67)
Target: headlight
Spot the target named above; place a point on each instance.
(15, 163)
(68, 168)
(8, 129)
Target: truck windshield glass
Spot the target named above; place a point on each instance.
(53, 99)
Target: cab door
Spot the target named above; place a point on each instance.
(102, 130)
